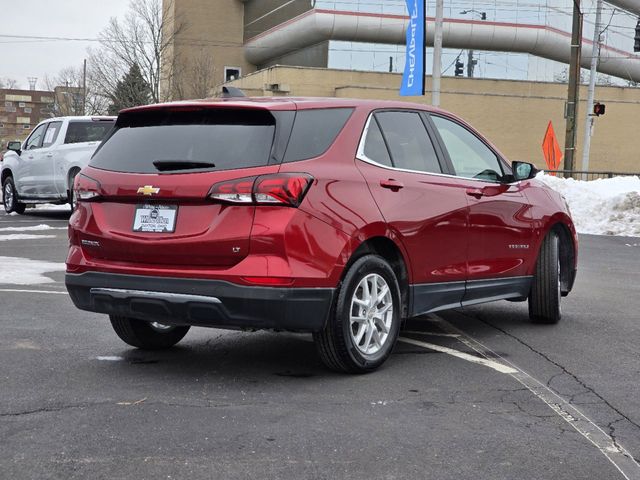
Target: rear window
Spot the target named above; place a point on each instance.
(314, 131)
(87, 131)
(168, 141)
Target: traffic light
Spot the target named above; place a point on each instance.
(636, 46)
(459, 68)
(599, 109)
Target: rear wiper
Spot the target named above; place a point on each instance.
(169, 165)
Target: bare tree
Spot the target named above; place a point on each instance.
(9, 83)
(140, 39)
(194, 77)
(70, 98)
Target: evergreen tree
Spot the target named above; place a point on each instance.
(131, 91)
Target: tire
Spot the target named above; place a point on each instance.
(337, 344)
(147, 335)
(71, 194)
(545, 296)
(10, 197)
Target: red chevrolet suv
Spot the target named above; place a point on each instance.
(331, 216)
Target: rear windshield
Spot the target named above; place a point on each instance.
(87, 131)
(169, 141)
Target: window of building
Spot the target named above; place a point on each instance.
(27, 110)
(8, 104)
(232, 73)
(21, 104)
(26, 127)
(10, 109)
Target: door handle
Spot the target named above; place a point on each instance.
(391, 184)
(49, 155)
(475, 192)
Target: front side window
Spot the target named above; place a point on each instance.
(470, 156)
(35, 140)
(409, 143)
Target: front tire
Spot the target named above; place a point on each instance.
(10, 197)
(365, 319)
(147, 335)
(545, 296)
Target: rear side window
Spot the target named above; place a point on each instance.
(87, 131)
(194, 140)
(314, 131)
(409, 142)
(51, 134)
(374, 146)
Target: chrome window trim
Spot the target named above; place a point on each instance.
(362, 157)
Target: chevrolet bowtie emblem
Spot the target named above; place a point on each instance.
(148, 190)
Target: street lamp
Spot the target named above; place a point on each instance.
(471, 63)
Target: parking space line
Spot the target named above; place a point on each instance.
(615, 453)
(464, 356)
(31, 291)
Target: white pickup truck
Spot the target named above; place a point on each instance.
(43, 168)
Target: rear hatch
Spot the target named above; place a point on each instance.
(153, 176)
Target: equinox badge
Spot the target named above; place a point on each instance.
(148, 190)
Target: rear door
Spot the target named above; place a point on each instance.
(44, 162)
(163, 163)
(424, 209)
(500, 220)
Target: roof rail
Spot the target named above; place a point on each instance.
(232, 92)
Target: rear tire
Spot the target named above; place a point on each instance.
(145, 335)
(545, 296)
(10, 197)
(365, 320)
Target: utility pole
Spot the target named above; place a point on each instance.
(470, 64)
(437, 54)
(84, 88)
(595, 59)
(573, 96)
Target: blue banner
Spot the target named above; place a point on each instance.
(414, 68)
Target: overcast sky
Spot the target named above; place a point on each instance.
(22, 58)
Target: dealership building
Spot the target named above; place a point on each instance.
(515, 62)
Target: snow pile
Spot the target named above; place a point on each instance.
(23, 236)
(601, 207)
(23, 271)
(42, 226)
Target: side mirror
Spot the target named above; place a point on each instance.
(14, 146)
(523, 171)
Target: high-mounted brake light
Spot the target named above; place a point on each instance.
(286, 189)
(86, 188)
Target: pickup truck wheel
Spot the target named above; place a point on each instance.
(545, 296)
(147, 335)
(365, 319)
(71, 195)
(10, 197)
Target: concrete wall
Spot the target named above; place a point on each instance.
(261, 15)
(513, 114)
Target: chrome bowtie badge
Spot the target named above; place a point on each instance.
(148, 190)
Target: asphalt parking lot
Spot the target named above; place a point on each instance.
(472, 393)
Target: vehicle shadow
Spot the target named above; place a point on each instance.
(61, 214)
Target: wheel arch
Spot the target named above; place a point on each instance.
(568, 252)
(392, 253)
(73, 170)
(5, 173)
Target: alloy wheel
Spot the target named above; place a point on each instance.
(371, 314)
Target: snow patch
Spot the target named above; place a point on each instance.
(601, 207)
(23, 271)
(31, 229)
(23, 236)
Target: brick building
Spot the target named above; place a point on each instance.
(21, 111)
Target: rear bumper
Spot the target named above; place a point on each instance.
(198, 302)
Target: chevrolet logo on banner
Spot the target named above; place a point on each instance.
(148, 190)
(414, 67)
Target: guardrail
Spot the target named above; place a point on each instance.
(590, 175)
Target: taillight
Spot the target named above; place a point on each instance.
(287, 189)
(86, 188)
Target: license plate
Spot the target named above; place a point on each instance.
(155, 218)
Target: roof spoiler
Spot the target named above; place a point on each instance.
(232, 92)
